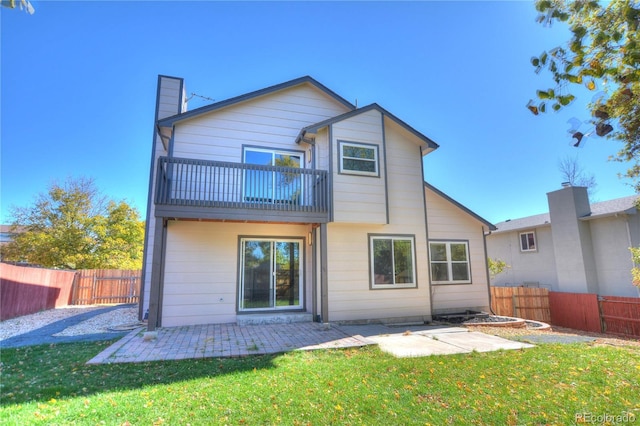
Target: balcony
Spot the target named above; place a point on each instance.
(200, 189)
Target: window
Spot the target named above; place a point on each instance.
(359, 159)
(392, 261)
(449, 262)
(527, 241)
(271, 274)
(262, 185)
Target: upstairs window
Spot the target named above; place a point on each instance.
(449, 262)
(528, 241)
(358, 158)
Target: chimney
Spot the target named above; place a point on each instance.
(573, 248)
(171, 99)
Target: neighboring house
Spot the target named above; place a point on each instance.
(290, 203)
(577, 247)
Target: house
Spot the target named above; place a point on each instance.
(576, 247)
(291, 204)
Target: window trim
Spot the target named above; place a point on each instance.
(392, 237)
(376, 160)
(450, 263)
(535, 242)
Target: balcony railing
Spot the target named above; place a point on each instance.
(202, 183)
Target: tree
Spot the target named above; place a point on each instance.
(635, 271)
(573, 173)
(73, 226)
(496, 266)
(604, 56)
(23, 4)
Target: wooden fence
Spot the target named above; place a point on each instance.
(521, 302)
(587, 312)
(105, 286)
(620, 315)
(26, 290)
(29, 290)
(579, 311)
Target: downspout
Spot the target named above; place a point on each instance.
(426, 230)
(486, 263)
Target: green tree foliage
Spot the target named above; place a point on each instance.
(603, 55)
(22, 4)
(635, 271)
(73, 226)
(496, 266)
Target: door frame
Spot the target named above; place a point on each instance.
(301, 274)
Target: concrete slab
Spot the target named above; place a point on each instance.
(414, 345)
(444, 341)
(479, 342)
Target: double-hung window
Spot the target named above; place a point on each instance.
(358, 158)
(528, 241)
(392, 261)
(449, 262)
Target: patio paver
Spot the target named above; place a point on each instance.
(226, 340)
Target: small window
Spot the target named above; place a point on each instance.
(449, 262)
(527, 241)
(359, 159)
(392, 261)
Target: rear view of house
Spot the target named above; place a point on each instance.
(291, 204)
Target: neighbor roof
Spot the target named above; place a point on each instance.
(170, 121)
(624, 205)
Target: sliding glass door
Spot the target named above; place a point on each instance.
(282, 186)
(271, 271)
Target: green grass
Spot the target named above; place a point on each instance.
(548, 384)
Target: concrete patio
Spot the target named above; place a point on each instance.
(232, 340)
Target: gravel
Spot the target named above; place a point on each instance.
(98, 324)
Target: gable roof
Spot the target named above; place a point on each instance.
(314, 128)
(490, 225)
(624, 205)
(170, 121)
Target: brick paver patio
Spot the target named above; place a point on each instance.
(226, 340)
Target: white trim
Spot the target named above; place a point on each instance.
(528, 249)
(375, 160)
(273, 241)
(449, 262)
(392, 238)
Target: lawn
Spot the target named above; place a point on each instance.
(548, 384)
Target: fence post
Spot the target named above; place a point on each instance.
(515, 308)
(74, 288)
(603, 321)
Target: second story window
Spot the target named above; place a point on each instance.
(528, 241)
(263, 184)
(358, 158)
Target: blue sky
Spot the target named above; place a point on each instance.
(78, 82)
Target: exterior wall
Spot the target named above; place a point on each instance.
(447, 222)
(611, 239)
(350, 293)
(537, 266)
(360, 199)
(201, 269)
(271, 121)
(169, 102)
